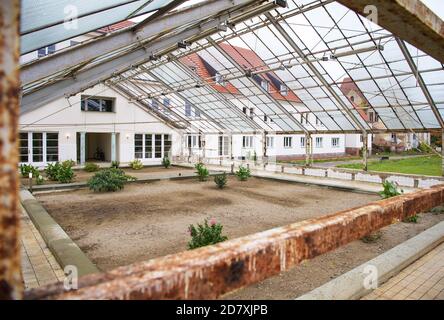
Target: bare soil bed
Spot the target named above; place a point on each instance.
(83, 176)
(150, 220)
(314, 273)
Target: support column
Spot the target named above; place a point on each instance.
(11, 283)
(264, 149)
(113, 147)
(365, 150)
(308, 149)
(82, 148)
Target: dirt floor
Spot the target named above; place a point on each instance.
(314, 273)
(83, 176)
(150, 220)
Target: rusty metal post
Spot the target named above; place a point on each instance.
(11, 284)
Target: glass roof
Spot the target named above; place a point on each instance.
(314, 66)
(46, 22)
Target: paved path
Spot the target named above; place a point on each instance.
(422, 280)
(39, 267)
(372, 159)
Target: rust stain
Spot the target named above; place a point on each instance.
(210, 272)
(11, 284)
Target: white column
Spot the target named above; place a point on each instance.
(82, 148)
(365, 151)
(113, 147)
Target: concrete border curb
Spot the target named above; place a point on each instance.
(59, 243)
(349, 286)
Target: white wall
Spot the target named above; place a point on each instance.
(67, 119)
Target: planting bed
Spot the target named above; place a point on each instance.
(150, 220)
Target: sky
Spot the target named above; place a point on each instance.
(436, 5)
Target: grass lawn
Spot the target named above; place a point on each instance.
(428, 166)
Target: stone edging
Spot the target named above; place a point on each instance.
(350, 285)
(59, 243)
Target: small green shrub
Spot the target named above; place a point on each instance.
(411, 219)
(110, 179)
(438, 210)
(202, 172)
(69, 163)
(62, 172)
(51, 170)
(425, 148)
(91, 167)
(221, 180)
(205, 234)
(65, 174)
(166, 162)
(136, 164)
(243, 173)
(39, 180)
(25, 169)
(115, 164)
(390, 190)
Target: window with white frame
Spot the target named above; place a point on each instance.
(318, 122)
(283, 89)
(219, 79)
(319, 142)
(302, 142)
(196, 113)
(46, 50)
(187, 108)
(247, 141)
(193, 141)
(39, 147)
(251, 113)
(151, 146)
(265, 85)
(166, 104)
(98, 104)
(224, 146)
(304, 118)
(335, 142)
(270, 142)
(288, 142)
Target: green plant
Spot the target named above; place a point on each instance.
(39, 179)
(166, 162)
(202, 171)
(205, 234)
(243, 173)
(390, 190)
(136, 164)
(68, 163)
(115, 164)
(438, 210)
(62, 172)
(110, 179)
(25, 169)
(411, 219)
(65, 174)
(221, 180)
(425, 148)
(91, 167)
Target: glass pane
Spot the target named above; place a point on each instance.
(158, 146)
(23, 149)
(138, 146)
(93, 104)
(148, 146)
(167, 145)
(52, 147)
(37, 147)
(107, 105)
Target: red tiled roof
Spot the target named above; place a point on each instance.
(194, 61)
(347, 86)
(249, 59)
(116, 26)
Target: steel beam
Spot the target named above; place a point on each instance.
(88, 51)
(420, 80)
(410, 20)
(315, 71)
(266, 93)
(11, 283)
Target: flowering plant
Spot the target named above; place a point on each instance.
(205, 234)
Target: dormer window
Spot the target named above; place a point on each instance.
(219, 79)
(265, 85)
(283, 90)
